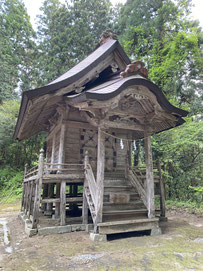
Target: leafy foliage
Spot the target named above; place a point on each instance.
(17, 49)
(15, 153)
(68, 33)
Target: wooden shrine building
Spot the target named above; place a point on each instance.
(92, 114)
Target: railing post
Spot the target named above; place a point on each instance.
(23, 193)
(38, 189)
(162, 191)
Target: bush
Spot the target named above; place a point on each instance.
(10, 184)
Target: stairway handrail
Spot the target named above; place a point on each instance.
(137, 183)
(89, 176)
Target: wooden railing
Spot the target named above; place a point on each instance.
(137, 177)
(137, 183)
(90, 188)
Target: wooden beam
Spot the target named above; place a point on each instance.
(149, 176)
(100, 173)
(124, 126)
(77, 124)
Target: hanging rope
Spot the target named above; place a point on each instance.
(131, 140)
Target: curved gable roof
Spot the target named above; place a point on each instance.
(72, 76)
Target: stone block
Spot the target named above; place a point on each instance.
(54, 230)
(155, 231)
(96, 237)
(78, 227)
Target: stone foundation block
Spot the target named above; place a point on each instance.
(96, 237)
(78, 227)
(54, 230)
(156, 231)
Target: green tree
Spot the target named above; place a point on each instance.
(160, 33)
(14, 153)
(68, 33)
(17, 48)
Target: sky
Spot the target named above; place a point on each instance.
(34, 5)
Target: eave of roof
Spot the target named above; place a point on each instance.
(71, 76)
(113, 88)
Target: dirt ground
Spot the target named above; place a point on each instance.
(180, 247)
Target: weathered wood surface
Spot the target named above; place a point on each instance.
(58, 177)
(38, 191)
(63, 203)
(149, 177)
(137, 184)
(127, 226)
(84, 209)
(74, 199)
(89, 176)
(53, 200)
(100, 174)
(162, 192)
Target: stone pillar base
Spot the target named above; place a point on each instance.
(98, 237)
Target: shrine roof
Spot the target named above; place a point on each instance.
(116, 85)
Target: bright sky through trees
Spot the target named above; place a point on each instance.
(33, 9)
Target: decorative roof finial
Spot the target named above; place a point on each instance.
(106, 35)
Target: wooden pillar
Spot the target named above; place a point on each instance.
(100, 173)
(149, 176)
(60, 208)
(57, 204)
(84, 209)
(44, 195)
(38, 189)
(63, 203)
(61, 145)
(49, 210)
(162, 192)
(30, 198)
(53, 148)
(48, 189)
